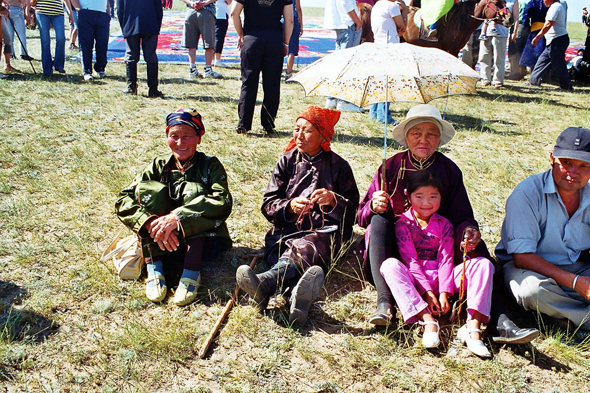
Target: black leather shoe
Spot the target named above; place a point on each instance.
(382, 315)
(509, 333)
(155, 94)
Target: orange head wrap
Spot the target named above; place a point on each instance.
(323, 120)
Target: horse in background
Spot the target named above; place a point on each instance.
(455, 28)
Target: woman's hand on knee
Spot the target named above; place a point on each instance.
(161, 228)
(169, 243)
(380, 202)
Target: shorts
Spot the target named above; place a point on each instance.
(294, 40)
(197, 24)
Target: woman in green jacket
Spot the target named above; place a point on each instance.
(175, 203)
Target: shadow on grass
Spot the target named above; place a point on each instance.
(528, 95)
(19, 325)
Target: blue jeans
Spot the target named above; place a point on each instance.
(380, 112)
(18, 19)
(347, 38)
(49, 63)
(93, 26)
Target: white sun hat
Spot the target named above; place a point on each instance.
(420, 114)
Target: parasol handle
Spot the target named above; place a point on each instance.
(383, 175)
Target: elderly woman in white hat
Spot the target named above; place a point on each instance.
(422, 132)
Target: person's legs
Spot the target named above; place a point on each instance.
(485, 59)
(149, 43)
(131, 58)
(536, 292)
(382, 245)
(60, 42)
(271, 81)
(543, 63)
(499, 48)
(401, 284)
(86, 32)
(102, 32)
(221, 26)
(479, 273)
(251, 64)
(44, 23)
(558, 47)
(18, 19)
(293, 49)
(191, 275)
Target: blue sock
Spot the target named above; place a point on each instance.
(153, 268)
(191, 274)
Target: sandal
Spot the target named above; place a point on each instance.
(187, 291)
(430, 339)
(11, 69)
(475, 346)
(498, 85)
(157, 292)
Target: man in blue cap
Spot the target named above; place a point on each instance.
(546, 235)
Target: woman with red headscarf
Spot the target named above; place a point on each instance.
(311, 201)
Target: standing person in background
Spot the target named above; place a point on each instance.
(492, 50)
(341, 16)
(533, 18)
(221, 25)
(140, 22)
(18, 13)
(51, 13)
(388, 22)
(74, 29)
(94, 24)
(518, 35)
(555, 32)
(294, 41)
(263, 44)
(200, 22)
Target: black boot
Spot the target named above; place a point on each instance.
(131, 70)
(262, 286)
(383, 314)
(152, 81)
(305, 293)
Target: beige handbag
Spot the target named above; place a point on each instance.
(126, 254)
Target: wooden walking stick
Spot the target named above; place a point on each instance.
(459, 303)
(225, 312)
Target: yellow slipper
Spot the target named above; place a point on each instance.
(156, 293)
(187, 291)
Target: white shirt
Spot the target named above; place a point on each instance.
(382, 23)
(222, 9)
(557, 12)
(336, 14)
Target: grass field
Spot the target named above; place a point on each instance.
(68, 324)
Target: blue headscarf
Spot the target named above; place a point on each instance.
(188, 116)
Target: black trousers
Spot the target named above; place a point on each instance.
(262, 51)
(220, 31)
(148, 43)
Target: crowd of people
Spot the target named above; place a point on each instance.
(422, 244)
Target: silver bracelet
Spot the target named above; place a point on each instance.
(575, 281)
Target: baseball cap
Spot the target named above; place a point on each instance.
(574, 143)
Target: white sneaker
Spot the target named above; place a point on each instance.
(193, 73)
(219, 63)
(430, 339)
(475, 346)
(213, 74)
(88, 77)
(344, 106)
